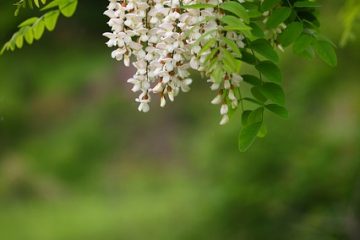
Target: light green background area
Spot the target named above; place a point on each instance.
(77, 161)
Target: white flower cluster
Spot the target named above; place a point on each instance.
(201, 35)
(164, 41)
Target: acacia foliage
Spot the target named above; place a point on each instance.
(33, 28)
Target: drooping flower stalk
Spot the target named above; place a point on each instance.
(166, 41)
(151, 33)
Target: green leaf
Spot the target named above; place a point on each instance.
(252, 80)
(270, 71)
(249, 58)
(231, 64)
(207, 46)
(248, 135)
(309, 53)
(256, 30)
(50, 19)
(38, 29)
(273, 92)
(291, 33)
(52, 4)
(37, 4)
(28, 22)
(232, 45)
(19, 40)
(256, 92)
(268, 4)
(256, 116)
(278, 110)
(67, 7)
(235, 8)
(203, 36)
(252, 10)
(326, 52)
(264, 48)
(29, 35)
(218, 75)
(235, 23)
(245, 116)
(302, 43)
(278, 16)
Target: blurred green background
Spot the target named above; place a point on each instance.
(77, 161)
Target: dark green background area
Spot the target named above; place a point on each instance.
(77, 161)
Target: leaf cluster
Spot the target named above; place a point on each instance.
(33, 28)
(267, 26)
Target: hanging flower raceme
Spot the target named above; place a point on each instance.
(206, 40)
(150, 33)
(165, 41)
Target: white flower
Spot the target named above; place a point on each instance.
(144, 100)
(224, 109)
(224, 119)
(217, 100)
(227, 84)
(162, 101)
